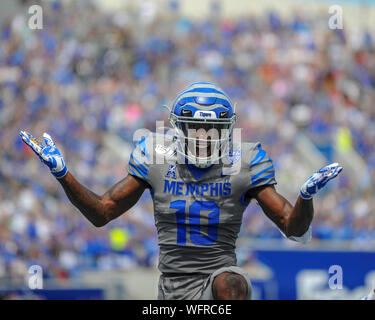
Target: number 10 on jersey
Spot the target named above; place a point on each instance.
(194, 215)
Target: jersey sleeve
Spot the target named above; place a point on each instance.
(140, 160)
(261, 167)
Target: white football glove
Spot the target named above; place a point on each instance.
(318, 180)
(48, 154)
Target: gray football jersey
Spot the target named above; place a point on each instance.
(198, 212)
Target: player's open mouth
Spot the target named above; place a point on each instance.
(203, 148)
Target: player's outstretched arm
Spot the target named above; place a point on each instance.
(291, 220)
(99, 210)
(294, 221)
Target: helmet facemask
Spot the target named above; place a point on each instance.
(203, 141)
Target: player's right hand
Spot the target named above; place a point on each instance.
(48, 154)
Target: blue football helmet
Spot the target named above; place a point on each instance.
(203, 118)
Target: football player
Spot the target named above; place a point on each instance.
(201, 181)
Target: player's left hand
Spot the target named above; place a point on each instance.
(48, 154)
(318, 180)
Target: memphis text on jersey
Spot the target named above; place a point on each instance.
(179, 188)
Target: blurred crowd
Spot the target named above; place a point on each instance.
(88, 75)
